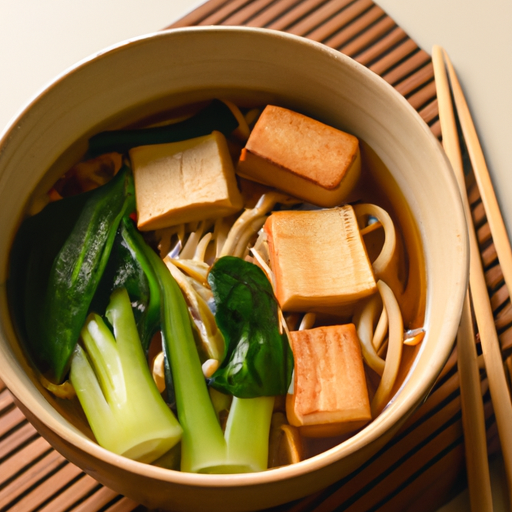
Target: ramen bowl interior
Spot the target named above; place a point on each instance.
(139, 78)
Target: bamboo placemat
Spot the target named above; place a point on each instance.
(424, 463)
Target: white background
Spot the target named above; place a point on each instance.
(40, 39)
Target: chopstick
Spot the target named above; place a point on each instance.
(491, 351)
(492, 210)
(473, 420)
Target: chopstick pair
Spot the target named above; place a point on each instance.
(471, 398)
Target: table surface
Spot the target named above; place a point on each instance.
(40, 40)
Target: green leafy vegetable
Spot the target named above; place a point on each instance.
(205, 448)
(216, 116)
(129, 268)
(258, 359)
(57, 262)
(115, 387)
(153, 317)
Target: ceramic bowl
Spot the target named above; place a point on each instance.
(166, 69)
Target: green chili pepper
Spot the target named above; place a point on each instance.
(216, 116)
(258, 359)
(58, 260)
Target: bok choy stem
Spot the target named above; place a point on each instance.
(116, 390)
(205, 448)
(247, 432)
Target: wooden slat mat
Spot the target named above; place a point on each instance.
(422, 466)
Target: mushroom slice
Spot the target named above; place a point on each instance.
(285, 446)
(202, 316)
(251, 220)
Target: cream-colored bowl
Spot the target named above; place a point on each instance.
(170, 68)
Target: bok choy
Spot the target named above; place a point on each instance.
(258, 359)
(57, 262)
(116, 390)
(243, 447)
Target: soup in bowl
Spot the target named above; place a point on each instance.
(310, 313)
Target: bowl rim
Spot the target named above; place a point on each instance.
(377, 427)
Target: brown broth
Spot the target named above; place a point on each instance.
(377, 186)
(382, 190)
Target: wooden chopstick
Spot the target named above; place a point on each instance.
(473, 420)
(492, 210)
(491, 351)
(473, 417)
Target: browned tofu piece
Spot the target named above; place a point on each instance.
(329, 396)
(302, 157)
(318, 259)
(185, 181)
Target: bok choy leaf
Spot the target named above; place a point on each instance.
(258, 359)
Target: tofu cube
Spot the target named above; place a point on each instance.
(318, 259)
(302, 157)
(330, 396)
(184, 181)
